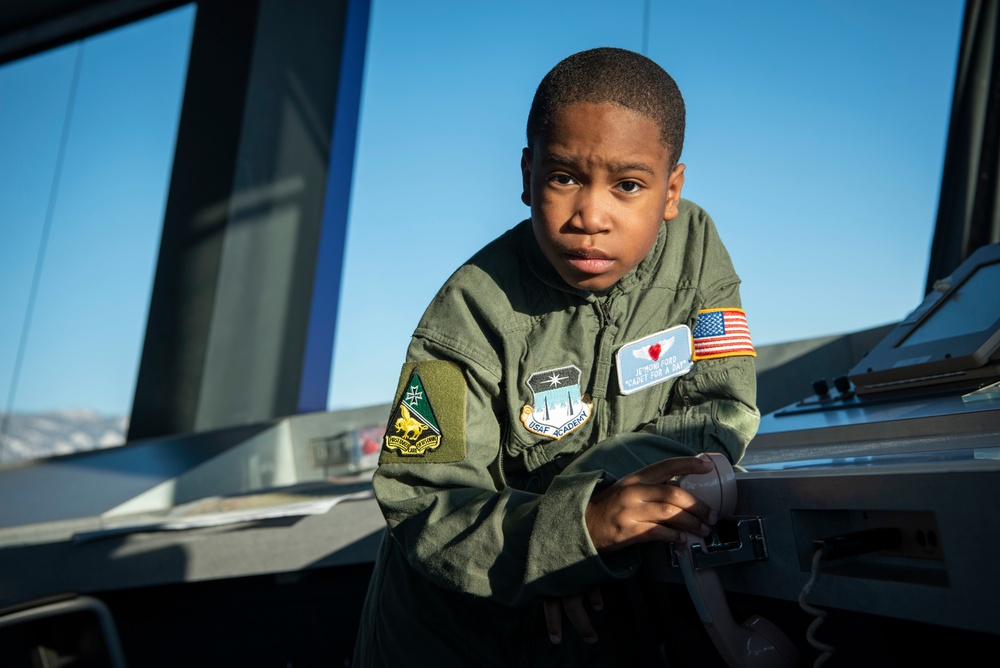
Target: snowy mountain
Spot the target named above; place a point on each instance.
(33, 435)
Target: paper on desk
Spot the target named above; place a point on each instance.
(188, 517)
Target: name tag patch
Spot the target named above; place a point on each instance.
(654, 359)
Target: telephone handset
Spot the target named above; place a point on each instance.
(757, 643)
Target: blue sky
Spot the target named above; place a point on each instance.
(104, 208)
(815, 139)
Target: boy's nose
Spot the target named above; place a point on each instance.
(593, 212)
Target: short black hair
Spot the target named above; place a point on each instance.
(613, 75)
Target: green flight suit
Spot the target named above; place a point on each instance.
(489, 520)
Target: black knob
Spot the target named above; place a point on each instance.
(821, 387)
(843, 384)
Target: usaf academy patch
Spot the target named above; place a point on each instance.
(422, 431)
(558, 408)
(654, 359)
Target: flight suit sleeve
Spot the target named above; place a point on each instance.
(713, 408)
(449, 510)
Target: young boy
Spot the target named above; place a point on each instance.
(554, 388)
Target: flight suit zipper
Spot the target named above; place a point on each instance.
(606, 312)
(504, 439)
(602, 368)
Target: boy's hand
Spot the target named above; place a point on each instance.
(577, 612)
(649, 506)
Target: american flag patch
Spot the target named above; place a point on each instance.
(722, 332)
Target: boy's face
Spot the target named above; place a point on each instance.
(599, 185)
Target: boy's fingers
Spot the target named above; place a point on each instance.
(662, 533)
(679, 507)
(579, 617)
(553, 619)
(667, 469)
(595, 598)
(685, 521)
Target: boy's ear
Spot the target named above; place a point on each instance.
(526, 176)
(674, 185)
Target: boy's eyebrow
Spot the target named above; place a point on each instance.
(574, 163)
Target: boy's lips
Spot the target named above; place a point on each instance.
(589, 261)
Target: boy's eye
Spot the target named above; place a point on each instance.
(629, 186)
(562, 179)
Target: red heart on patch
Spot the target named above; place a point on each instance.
(654, 351)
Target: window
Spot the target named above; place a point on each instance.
(87, 133)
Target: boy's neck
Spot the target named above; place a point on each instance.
(605, 292)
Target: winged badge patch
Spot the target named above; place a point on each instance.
(654, 359)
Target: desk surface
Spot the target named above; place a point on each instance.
(52, 558)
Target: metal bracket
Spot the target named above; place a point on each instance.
(732, 541)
